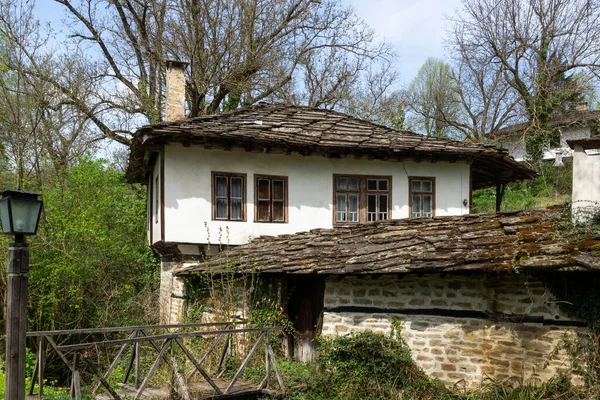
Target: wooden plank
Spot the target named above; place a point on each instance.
(198, 366)
(153, 368)
(115, 361)
(132, 328)
(245, 362)
(223, 354)
(137, 365)
(208, 352)
(276, 369)
(42, 363)
(33, 374)
(161, 337)
(104, 382)
(59, 352)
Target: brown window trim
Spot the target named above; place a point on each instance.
(285, 198)
(410, 193)
(214, 174)
(362, 198)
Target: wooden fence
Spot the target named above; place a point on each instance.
(164, 346)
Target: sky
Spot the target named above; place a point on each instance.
(415, 28)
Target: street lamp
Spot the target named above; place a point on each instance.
(19, 216)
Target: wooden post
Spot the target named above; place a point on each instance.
(16, 318)
(499, 195)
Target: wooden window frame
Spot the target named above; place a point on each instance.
(285, 198)
(410, 194)
(229, 175)
(362, 197)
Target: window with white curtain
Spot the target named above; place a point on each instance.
(229, 196)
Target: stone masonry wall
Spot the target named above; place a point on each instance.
(453, 347)
(171, 295)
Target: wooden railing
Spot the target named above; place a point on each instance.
(77, 354)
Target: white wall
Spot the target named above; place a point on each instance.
(155, 217)
(310, 186)
(516, 146)
(586, 184)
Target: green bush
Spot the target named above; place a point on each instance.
(370, 365)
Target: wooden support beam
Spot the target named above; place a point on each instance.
(153, 368)
(198, 366)
(499, 195)
(115, 361)
(245, 362)
(104, 382)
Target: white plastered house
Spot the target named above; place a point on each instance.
(280, 169)
(361, 225)
(570, 125)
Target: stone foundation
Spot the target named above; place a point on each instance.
(447, 323)
(171, 298)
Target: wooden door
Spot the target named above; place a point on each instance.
(305, 309)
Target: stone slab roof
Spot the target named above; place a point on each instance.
(532, 240)
(289, 129)
(574, 119)
(587, 144)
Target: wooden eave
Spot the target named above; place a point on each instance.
(586, 144)
(531, 240)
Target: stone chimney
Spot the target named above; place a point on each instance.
(175, 109)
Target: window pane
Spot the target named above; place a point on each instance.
(371, 184)
(383, 206)
(221, 209)
(353, 208)
(236, 187)
(383, 184)
(426, 186)
(262, 211)
(264, 191)
(372, 203)
(352, 183)
(372, 207)
(340, 204)
(278, 189)
(341, 184)
(416, 206)
(427, 206)
(278, 211)
(221, 186)
(416, 186)
(236, 209)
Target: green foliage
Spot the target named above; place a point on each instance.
(559, 387)
(370, 365)
(266, 309)
(90, 264)
(552, 186)
(373, 366)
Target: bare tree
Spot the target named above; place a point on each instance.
(488, 101)
(375, 97)
(240, 52)
(535, 44)
(44, 130)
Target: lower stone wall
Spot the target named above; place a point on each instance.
(458, 349)
(171, 297)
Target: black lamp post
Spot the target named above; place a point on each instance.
(19, 215)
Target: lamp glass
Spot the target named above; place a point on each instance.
(25, 215)
(5, 215)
